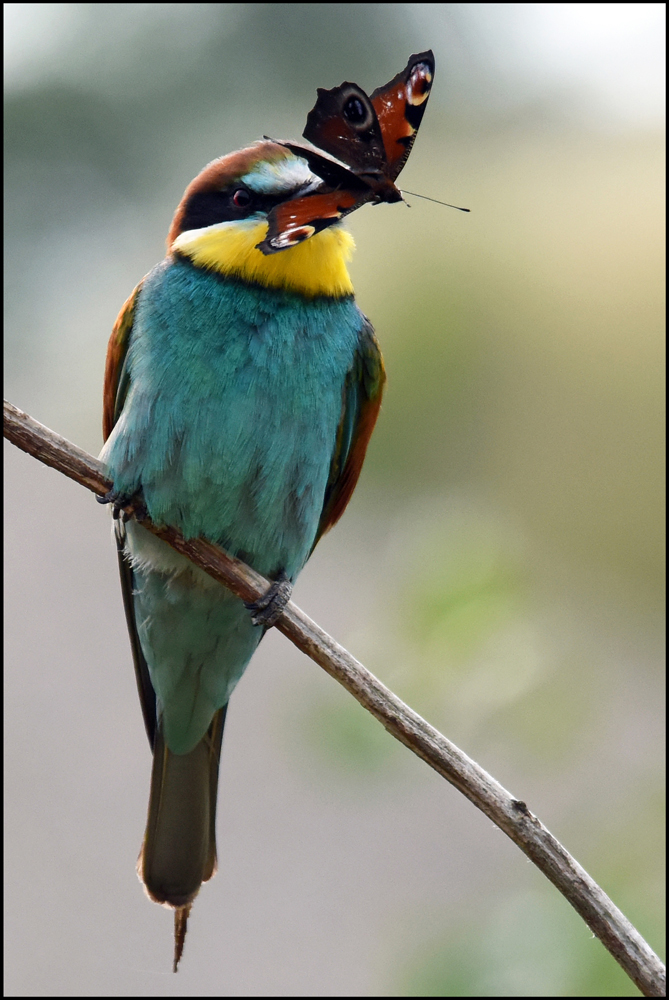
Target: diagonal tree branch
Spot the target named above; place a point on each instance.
(605, 920)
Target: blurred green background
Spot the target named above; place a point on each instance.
(501, 564)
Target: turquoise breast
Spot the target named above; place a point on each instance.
(233, 408)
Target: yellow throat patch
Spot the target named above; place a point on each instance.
(315, 267)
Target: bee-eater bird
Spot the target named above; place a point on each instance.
(242, 386)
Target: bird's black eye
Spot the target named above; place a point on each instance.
(354, 110)
(241, 198)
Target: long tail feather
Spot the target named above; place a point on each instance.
(179, 849)
(180, 923)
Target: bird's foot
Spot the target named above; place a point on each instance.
(125, 505)
(268, 609)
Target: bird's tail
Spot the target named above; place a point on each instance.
(179, 849)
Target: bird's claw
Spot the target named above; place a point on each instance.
(125, 505)
(267, 610)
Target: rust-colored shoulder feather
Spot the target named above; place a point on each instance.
(360, 408)
(116, 352)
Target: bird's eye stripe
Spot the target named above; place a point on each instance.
(232, 203)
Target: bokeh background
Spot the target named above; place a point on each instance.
(500, 566)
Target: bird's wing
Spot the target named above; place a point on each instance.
(360, 408)
(116, 376)
(116, 385)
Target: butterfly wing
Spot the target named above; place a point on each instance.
(399, 107)
(343, 122)
(294, 221)
(373, 135)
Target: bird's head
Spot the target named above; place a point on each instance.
(250, 215)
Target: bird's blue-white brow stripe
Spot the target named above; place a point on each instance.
(276, 177)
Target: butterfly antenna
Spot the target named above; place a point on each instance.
(435, 200)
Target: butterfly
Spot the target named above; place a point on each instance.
(359, 145)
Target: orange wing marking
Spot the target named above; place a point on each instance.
(116, 352)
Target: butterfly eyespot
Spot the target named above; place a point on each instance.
(354, 110)
(418, 84)
(241, 198)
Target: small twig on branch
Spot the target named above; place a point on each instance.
(510, 814)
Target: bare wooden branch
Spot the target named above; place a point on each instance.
(511, 815)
